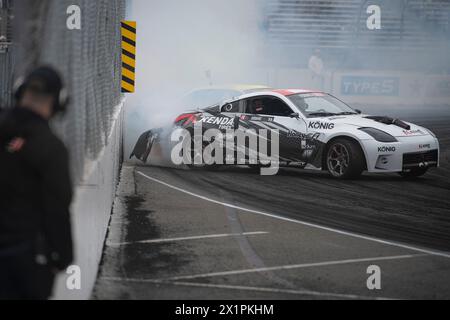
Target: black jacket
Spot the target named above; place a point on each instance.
(35, 186)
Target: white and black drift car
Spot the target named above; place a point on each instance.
(316, 130)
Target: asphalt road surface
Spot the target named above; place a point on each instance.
(180, 234)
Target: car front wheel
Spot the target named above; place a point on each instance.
(344, 159)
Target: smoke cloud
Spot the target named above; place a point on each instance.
(184, 45)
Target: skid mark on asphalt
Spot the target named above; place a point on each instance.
(247, 250)
(346, 233)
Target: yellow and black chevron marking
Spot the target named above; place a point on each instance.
(128, 56)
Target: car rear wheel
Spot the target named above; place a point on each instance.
(344, 159)
(414, 173)
(197, 159)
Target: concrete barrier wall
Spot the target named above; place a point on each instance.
(91, 210)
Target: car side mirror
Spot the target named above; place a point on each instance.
(294, 115)
(358, 111)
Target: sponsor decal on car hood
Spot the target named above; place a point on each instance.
(362, 121)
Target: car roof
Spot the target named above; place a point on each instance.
(243, 88)
(273, 92)
(290, 92)
(260, 91)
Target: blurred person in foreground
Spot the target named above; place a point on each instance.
(316, 67)
(35, 190)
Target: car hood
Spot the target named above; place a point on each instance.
(396, 130)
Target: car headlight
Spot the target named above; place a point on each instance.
(379, 135)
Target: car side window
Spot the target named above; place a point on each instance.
(231, 107)
(270, 106)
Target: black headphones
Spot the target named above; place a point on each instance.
(51, 84)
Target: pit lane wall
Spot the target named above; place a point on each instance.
(371, 87)
(91, 212)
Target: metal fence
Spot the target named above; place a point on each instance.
(89, 59)
(408, 24)
(6, 57)
(6, 63)
(414, 34)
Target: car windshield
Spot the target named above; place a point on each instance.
(320, 105)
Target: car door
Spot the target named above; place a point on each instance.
(272, 113)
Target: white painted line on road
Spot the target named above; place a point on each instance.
(275, 290)
(246, 288)
(210, 236)
(351, 234)
(293, 266)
